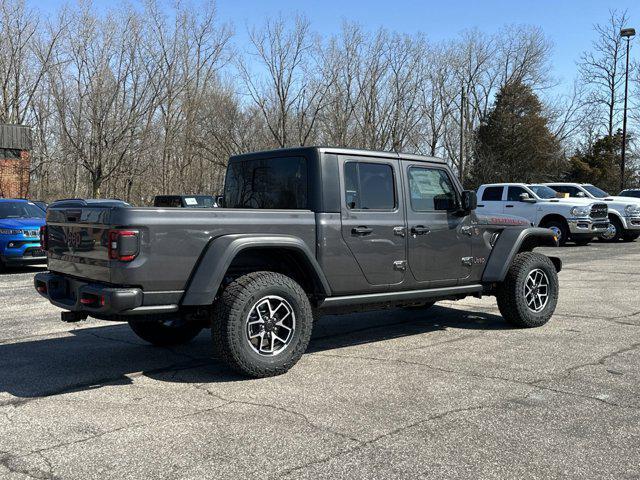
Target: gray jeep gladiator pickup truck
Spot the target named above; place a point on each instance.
(303, 231)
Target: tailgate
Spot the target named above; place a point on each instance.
(78, 234)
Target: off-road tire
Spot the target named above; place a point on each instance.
(163, 333)
(228, 328)
(613, 220)
(630, 236)
(562, 227)
(510, 293)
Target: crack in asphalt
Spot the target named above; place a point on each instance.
(536, 384)
(363, 444)
(601, 361)
(11, 463)
(40, 452)
(304, 417)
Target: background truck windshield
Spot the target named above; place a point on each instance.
(543, 191)
(20, 210)
(267, 183)
(595, 191)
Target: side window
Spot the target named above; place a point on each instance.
(492, 194)
(431, 189)
(369, 186)
(513, 194)
(559, 188)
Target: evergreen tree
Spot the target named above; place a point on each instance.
(599, 163)
(514, 143)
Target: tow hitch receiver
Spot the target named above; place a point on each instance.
(71, 317)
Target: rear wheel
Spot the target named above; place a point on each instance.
(559, 228)
(630, 236)
(529, 294)
(262, 324)
(165, 332)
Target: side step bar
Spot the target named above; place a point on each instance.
(404, 296)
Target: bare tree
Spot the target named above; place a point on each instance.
(602, 69)
(286, 88)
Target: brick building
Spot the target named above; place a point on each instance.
(15, 149)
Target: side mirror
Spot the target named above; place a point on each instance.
(469, 200)
(220, 200)
(524, 197)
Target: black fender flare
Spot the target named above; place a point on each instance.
(220, 252)
(509, 243)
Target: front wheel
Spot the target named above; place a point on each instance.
(614, 231)
(262, 324)
(560, 230)
(165, 332)
(529, 294)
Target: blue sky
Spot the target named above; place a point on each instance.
(567, 23)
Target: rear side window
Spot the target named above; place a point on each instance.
(369, 186)
(267, 183)
(492, 194)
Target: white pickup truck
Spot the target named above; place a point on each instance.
(624, 212)
(576, 219)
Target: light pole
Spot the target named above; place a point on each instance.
(627, 33)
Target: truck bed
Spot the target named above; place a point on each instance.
(171, 240)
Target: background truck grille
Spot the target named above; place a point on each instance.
(599, 210)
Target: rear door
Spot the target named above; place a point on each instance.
(372, 212)
(439, 238)
(490, 201)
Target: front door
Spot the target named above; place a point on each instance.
(514, 205)
(439, 237)
(373, 225)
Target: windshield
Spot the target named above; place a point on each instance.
(20, 210)
(595, 191)
(543, 191)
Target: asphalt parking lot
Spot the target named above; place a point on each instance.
(451, 392)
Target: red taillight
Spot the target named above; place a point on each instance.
(44, 239)
(123, 245)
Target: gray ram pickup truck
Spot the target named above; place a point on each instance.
(303, 232)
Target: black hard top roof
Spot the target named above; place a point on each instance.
(317, 150)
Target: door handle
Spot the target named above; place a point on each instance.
(398, 231)
(509, 206)
(419, 230)
(361, 230)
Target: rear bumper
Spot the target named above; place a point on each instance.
(95, 299)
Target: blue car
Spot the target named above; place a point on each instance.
(20, 222)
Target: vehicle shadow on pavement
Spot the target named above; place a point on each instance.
(89, 358)
(24, 269)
